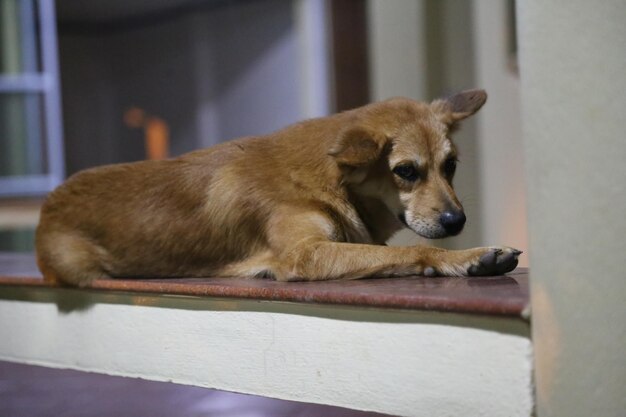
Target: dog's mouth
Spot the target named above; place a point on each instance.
(424, 229)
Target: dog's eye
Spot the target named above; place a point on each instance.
(449, 167)
(406, 172)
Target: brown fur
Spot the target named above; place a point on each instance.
(314, 201)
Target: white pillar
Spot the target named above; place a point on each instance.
(573, 67)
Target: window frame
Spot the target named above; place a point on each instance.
(46, 83)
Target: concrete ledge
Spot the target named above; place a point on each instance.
(399, 361)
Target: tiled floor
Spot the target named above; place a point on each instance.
(32, 391)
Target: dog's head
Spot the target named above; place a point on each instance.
(399, 151)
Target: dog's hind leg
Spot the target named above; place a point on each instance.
(69, 258)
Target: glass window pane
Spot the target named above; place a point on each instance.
(19, 49)
(19, 240)
(22, 150)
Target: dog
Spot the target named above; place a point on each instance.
(314, 201)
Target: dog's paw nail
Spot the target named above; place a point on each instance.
(430, 272)
(506, 257)
(507, 261)
(495, 261)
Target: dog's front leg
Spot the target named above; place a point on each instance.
(305, 248)
(324, 260)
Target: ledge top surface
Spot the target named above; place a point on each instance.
(505, 295)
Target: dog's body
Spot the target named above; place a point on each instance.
(314, 201)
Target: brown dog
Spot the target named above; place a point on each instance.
(314, 201)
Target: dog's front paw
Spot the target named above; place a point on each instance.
(495, 261)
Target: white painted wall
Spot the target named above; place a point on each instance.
(406, 363)
(573, 67)
(397, 49)
(499, 132)
(451, 68)
(397, 61)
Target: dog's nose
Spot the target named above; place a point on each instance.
(452, 221)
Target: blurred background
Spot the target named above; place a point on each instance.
(86, 83)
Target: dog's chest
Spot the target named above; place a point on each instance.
(354, 229)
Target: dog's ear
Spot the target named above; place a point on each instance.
(357, 146)
(459, 106)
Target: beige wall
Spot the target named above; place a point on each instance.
(573, 66)
(500, 147)
(397, 41)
